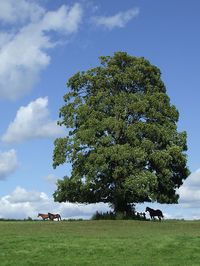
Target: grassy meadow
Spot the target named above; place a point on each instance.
(99, 243)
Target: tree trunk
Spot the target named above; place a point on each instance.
(123, 207)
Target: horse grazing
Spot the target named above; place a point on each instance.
(154, 213)
(52, 216)
(43, 216)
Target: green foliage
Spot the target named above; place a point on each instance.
(110, 215)
(117, 216)
(29, 218)
(103, 216)
(122, 139)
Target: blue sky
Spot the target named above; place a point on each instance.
(43, 43)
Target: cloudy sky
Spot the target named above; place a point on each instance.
(43, 43)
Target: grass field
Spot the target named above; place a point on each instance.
(99, 243)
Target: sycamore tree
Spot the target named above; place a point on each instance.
(122, 139)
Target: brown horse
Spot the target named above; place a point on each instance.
(43, 216)
(154, 213)
(52, 216)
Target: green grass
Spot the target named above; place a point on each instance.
(99, 243)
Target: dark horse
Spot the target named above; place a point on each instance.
(154, 213)
(43, 216)
(52, 216)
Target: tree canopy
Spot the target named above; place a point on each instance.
(122, 139)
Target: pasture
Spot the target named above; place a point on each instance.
(99, 243)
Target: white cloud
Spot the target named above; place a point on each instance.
(24, 51)
(21, 195)
(190, 191)
(51, 179)
(22, 203)
(32, 121)
(8, 163)
(12, 11)
(70, 17)
(118, 20)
